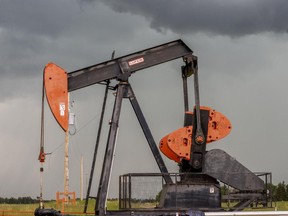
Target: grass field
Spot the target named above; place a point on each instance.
(77, 209)
(28, 209)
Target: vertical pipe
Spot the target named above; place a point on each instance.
(81, 178)
(199, 131)
(185, 90)
(41, 205)
(120, 192)
(125, 192)
(270, 191)
(129, 191)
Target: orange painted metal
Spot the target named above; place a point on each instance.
(56, 88)
(177, 145)
(167, 151)
(219, 125)
(41, 157)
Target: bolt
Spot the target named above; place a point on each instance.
(199, 139)
(196, 163)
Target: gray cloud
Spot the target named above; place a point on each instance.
(63, 32)
(37, 17)
(224, 17)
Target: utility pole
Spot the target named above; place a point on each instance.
(66, 160)
(81, 178)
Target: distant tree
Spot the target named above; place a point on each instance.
(25, 200)
(280, 194)
(224, 190)
(286, 189)
(272, 189)
(19, 200)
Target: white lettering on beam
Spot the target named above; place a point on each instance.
(136, 61)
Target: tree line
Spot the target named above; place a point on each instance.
(19, 200)
(279, 192)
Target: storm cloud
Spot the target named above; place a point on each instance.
(222, 17)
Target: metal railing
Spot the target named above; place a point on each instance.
(142, 190)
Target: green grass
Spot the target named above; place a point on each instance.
(281, 205)
(28, 209)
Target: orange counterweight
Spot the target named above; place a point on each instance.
(177, 145)
(56, 88)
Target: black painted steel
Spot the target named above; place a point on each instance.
(121, 69)
(199, 135)
(126, 65)
(185, 90)
(124, 90)
(100, 206)
(213, 165)
(198, 149)
(227, 169)
(156, 212)
(47, 212)
(187, 195)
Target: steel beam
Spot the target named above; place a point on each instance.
(126, 65)
(109, 153)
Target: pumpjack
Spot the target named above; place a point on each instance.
(200, 170)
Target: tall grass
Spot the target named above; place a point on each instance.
(77, 209)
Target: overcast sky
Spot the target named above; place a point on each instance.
(242, 48)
